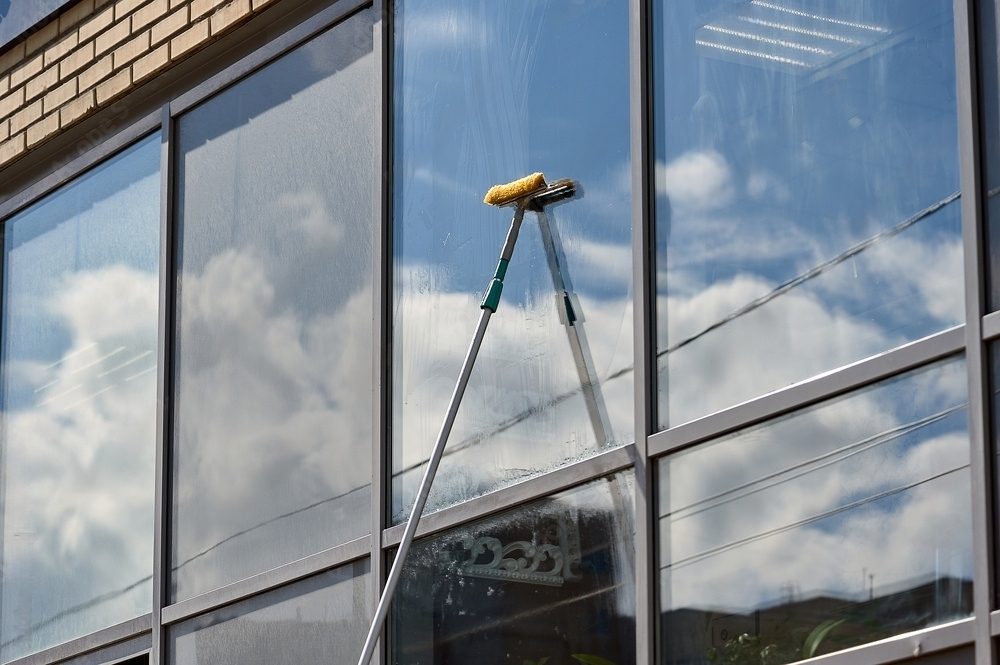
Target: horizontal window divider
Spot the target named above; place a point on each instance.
(270, 51)
(903, 647)
(88, 159)
(515, 495)
(101, 639)
(359, 548)
(991, 326)
(802, 394)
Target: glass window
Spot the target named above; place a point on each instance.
(80, 299)
(550, 582)
(806, 186)
(272, 430)
(487, 92)
(322, 619)
(989, 69)
(841, 524)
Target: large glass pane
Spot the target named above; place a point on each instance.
(989, 100)
(551, 582)
(80, 299)
(487, 92)
(273, 416)
(840, 524)
(322, 619)
(806, 186)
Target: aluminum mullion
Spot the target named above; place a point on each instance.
(121, 632)
(517, 494)
(816, 389)
(283, 575)
(164, 387)
(381, 304)
(643, 334)
(273, 49)
(40, 188)
(991, 326)
(980, 461)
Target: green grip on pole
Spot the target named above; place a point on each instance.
(492, 298)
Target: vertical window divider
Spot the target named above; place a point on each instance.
(382, 302)
(972, 236)
(164, 389)
(640, 104)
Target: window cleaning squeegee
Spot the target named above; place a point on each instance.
(528, 193)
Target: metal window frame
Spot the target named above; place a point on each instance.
(650, 444)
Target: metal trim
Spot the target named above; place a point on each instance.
(164, 386)
(80, 646)
(991, 326)
(381, 303)
(817, 389)
(296, 36)
(980, 459)
(903, 647)
(353, 550)
(643, 328)
(515, 495)
(91, 158)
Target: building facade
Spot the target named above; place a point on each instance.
(736, 406)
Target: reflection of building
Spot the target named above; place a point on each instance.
(733, 410)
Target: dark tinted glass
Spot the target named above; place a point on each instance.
(550, 582)
(844, 523)
(806, 190)
(322, 619)
(273, 377)
(80, 298)
(487, 92)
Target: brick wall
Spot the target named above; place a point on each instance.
(93, 53)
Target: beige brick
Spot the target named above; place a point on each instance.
(4, 130)
(11, 148)
(257, 4)
(150, 64)
(75, 15)
(26, 71)
(170, 25)
(11, 58)
(97, 24)
(60, 48)
(114, 85)
(59, 96)
(174, 4)
(43, 129)
(4, 84)
(96, 73)
(77, 108)
(132, 49)
(39, 38)
(41, 83)
(201, 7)
(154, 11)
(115, 35)
(123, 7)
(11, 102)
(76, 60)
(229, 15)
(189, 40)
(25, 116)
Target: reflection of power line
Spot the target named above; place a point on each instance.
(97, 600)
(694, 558)
(549, 403)
(815, 271)
(832, 457)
